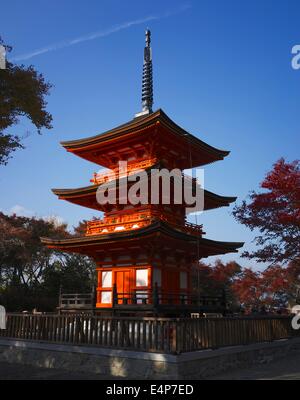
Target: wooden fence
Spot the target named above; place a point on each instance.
(79, 301)
(163, 335)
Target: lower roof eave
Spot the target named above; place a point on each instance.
(82, 244)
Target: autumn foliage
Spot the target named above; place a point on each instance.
(272, 289)
(275, 213)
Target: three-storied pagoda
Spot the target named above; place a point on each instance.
(144, 252)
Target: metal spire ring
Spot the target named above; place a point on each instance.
(147, 84)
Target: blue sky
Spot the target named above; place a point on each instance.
(222, 70)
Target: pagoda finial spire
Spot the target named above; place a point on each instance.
(147, 84)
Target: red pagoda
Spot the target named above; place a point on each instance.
(145, 253)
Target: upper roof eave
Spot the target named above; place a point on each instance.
(137, 124)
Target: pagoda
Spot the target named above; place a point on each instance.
(145, 253)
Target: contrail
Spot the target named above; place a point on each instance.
(99, 34)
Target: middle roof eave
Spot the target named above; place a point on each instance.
(78, 195)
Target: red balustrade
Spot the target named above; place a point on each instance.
(114, 173)
(137, 221)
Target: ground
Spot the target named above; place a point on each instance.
(287, 368)
(284, 369)
(27, 372)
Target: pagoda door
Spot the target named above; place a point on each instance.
(122, 279)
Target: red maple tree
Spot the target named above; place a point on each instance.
(271, 289)
(275, 212)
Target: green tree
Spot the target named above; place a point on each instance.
(31, 274)
(73, 273)
(22, 93)
(23, 258)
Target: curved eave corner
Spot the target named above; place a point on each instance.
(71, 145)
(220, 201)
(77, 191)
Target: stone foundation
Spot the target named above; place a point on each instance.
(141, 365)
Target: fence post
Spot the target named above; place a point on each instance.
(174, 349)
(155, 296)
(224, 301)
(115, 295)
(77, 329)
(59, 298)
(94, 298)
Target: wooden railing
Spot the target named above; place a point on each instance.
(132, 168)
(164, 335)
(76, 301)
(156, 298)
(137, 221)
(126, 222)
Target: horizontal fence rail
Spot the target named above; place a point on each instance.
(163, 335)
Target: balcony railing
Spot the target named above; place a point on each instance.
(132, 168)
(116, 224)
(157, 298)
(137, 221)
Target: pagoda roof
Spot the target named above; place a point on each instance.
(86, 197)
(89, 245)
(87, 147)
